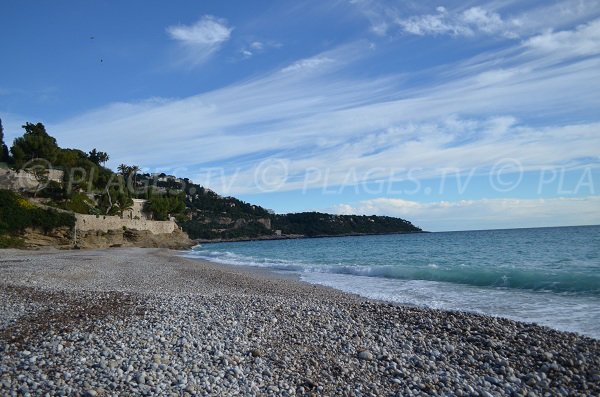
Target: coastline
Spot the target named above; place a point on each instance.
(123, 321)
(296, 236)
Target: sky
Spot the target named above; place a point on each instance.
(454, 115)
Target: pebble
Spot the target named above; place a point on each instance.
(144, 322)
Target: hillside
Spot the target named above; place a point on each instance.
(318, 224)
(73, 180)
(210, 216)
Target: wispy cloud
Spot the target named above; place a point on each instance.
(484, 213)
(466, 23)
(556, 15)
(201, 39)
(308, 64)
(311, 112)
(509, 19)
(258, 47)
(584, 40)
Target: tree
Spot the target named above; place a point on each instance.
(103, 157)
(4, 156)
(123, 169)
(114, 202)
(98, 157)
(40, 174)
(134, 169)
(34, 144)
(163, 206)
(93, 156)
(123, 203)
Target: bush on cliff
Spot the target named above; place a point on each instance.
(164, 205)
(18, 214)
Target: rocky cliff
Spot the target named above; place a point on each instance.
(62, 238)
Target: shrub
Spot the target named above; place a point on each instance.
(17, 214)
(53, 191)
(11, 242)
(79, 203)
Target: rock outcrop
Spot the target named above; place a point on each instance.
(134, 238)
(63, 239)
(60, 238)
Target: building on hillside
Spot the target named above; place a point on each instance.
(137, 211)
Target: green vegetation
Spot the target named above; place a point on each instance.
(211, 231)
(113, 201)
(18, 214)
(81, 172)
(97, 157)
(90, 188)
(11, 242)
(216, 217)
(78, 202)
(37, 150)
(34, 144)
(211, 216)
(161, 206)
(318, 224)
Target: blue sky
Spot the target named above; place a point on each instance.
(454, 115)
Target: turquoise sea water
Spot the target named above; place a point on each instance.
(550, 276)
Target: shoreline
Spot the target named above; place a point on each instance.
(150, 321)
(296, 237)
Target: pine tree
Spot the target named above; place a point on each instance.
(34, 144)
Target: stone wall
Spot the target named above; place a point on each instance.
(23, 180)
(106, 223)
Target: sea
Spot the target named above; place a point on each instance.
(547, 276)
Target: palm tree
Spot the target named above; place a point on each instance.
(134, 169)
(123, 169)
(103, 158)
(124, 204)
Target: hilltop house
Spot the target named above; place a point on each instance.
(137, 211)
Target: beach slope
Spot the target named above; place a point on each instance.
(147, 322)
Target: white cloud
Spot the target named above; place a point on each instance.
(485, 21)
(584, 40)
(207, 31)
(308, 64)
(510, 19)
(201, 39)
(468, 117)
(483, 214)
(380, 28)
(555, 15)
(257, 45)
(467, 23)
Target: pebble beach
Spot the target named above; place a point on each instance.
(148, 322)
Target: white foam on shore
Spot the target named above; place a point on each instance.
(563, 312)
